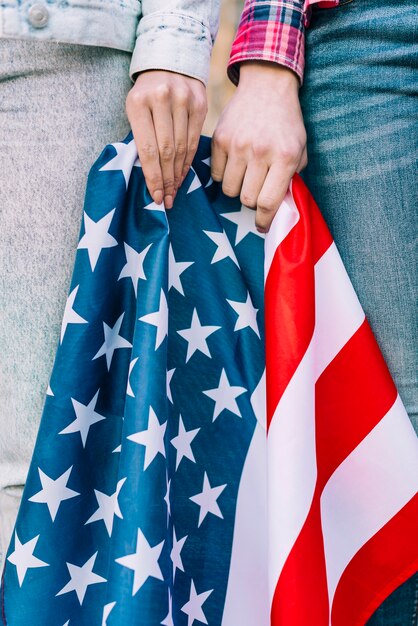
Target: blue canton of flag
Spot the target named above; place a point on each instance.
(128, 513)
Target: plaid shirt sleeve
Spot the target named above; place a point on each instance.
(272, 30)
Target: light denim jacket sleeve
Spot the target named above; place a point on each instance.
(176, 35)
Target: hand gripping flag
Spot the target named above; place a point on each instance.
(221, 441)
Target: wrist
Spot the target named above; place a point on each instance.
(260, 72)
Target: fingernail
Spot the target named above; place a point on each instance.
(168, 201)
(158, 196)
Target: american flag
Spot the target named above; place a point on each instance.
(221, 442)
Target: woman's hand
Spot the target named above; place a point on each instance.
(260, 139)
(166, 112)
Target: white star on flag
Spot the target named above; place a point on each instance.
(107, 609)
(247, 315)
(143, 562)
(207, 162)
(168, 620)
(54, 492)
(97, 237)
(49, 391)
(225, 396)
(113, 341)
(182, 443)
(175, 270)
(195, 184)
(224, 249)
(245, 221)
(86, 416)
(193, 608)
(129, 391)
(134, 266)
(169, 377)
(158, 319)
(167, 497)
(108, 507)
(175, 554)
(153, 206)
(81, 578)
(152, 438)
(70, 316)
(23, 557)
(125, 159)
(196, 336)
(207, 500)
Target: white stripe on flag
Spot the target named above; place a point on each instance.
(285, 219)
(246, 601)
(291, 439)
(338, 312)
(369, 487)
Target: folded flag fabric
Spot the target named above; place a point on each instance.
(221, 441)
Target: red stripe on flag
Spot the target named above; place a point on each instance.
(352, 395)
(321, 238)
(289, 294)
(301, 595)
(383, 563)
(289, 303)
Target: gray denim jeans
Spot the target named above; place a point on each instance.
(60, 104)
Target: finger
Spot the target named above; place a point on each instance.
(218, 159)
(196, 119)
(180, 129)
(233, 175)
(303, 161)
(146, 144)
(254, 178)
(163, 124)
(272, 195)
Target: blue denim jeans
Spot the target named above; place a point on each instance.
(360, 107)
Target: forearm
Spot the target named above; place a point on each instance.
(176, 35)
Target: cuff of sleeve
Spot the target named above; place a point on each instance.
(172, 41)
(233, 66)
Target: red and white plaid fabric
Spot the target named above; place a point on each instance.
(273, 30)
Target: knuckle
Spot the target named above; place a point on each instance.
(248, 200)
(181, 97)
(134, 99)
(168, 183)
(260, 149)
(266, 205)
(229, 190)
(239, 144)
(200, 105)
(167, 152)
(216, 175)
(220, 139)
(154, 180)
(290, 153)
(193, 146)
(147, 151)
(162, 92)
(181, 149)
